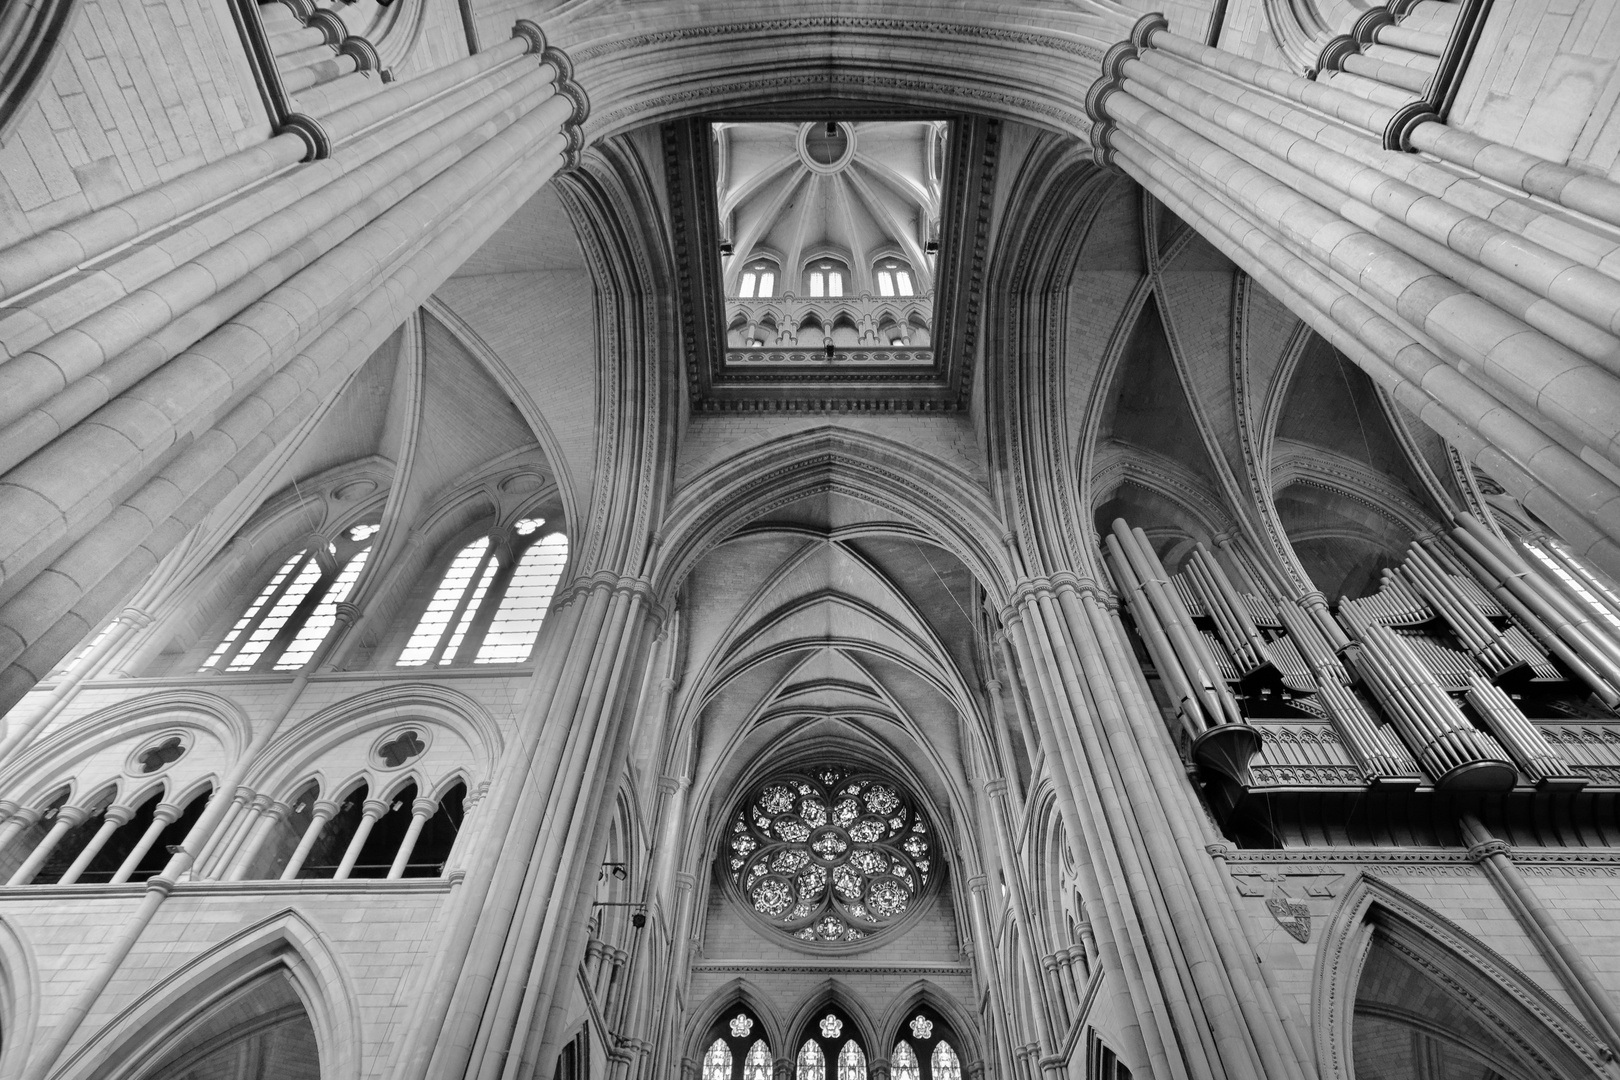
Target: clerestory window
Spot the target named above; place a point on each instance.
(825, 279)
(490, 604)
(894, 279)
(294, 611)
(758, 280)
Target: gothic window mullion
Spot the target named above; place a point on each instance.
(490, 602)
(300, 615)
(454, 638)
(222, 660)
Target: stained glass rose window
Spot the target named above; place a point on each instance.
(830, 854)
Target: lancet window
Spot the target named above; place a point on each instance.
(894, 279)
(293, 612)
(758, 280)
(830, 855)
(737, 1050)
(923, 1050)
(491, 601)
(825, 278)
(831, 1050)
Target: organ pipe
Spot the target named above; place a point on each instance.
(1522, 739)
(1447, 745)
(1158, 643)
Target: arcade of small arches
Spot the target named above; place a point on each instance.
(830, 1048)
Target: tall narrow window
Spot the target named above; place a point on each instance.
(946, 1064)
(296, 608)
(273, 589)
(758, 279)
(757, 1066)
(826, 279)
(321, 620)
(894, 279)
(852, 1062)
(812, 1066)
(717, 1062)
(488, 609)
(903, 1065)
(473, 565)
(517, 622)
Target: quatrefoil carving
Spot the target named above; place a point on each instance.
(401, 748)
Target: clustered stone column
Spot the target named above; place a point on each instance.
(135, 396)
(1160, 912)
(1490, 318)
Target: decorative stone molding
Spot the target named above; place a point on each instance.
(317, 142)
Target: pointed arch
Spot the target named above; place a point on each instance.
(735, 993)
(497, 369)
(925, 992)
(285, 944)
(945, 506)
(19, 1000)
(834, 993)
(1498, 995)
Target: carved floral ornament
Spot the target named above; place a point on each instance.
(830, 855)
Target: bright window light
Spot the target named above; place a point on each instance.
(281, 609)
(444, 605)
(322, 619)
(516, 625)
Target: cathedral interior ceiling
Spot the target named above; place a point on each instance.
(837, 360)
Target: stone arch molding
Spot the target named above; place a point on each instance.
(88, 754)
(1500, 995)
(333, 746)
(943, 505)
(284, 942)
(736, 993)
(833, 993)
(19, 1000)
(925, 992)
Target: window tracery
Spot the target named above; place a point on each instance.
(758, 280)
(851, 1062)
(480, 611)
(830, 855)
(923, 1051)
(825, 278)
(894, 279)
(812, 1065)
(735, 1051)
(717, 1062)
(757, 1066)
(287, 620)
(903, 1063)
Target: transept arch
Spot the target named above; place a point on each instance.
(924, 993)
(950, 510)
(20, 999)
(833, 994)
(738, 993)
(1512, 1017)
(283, 945)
